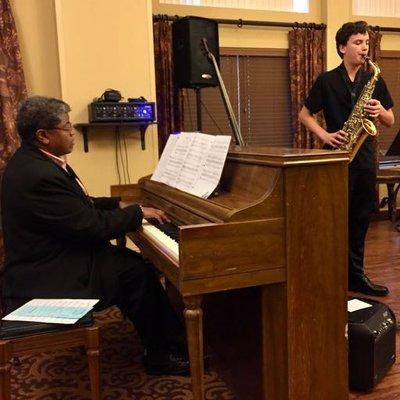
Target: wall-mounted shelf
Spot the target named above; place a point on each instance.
(84, 128)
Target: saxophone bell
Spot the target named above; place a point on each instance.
(369, 126)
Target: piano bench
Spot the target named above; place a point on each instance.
(391, 178)
(19, 339)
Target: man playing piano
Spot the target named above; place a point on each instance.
(336, 92)
(57, 237)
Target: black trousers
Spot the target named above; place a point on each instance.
(361, 206)
(136, 290)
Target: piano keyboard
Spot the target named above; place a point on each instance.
(166, 235)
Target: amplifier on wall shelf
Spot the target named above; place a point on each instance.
(108, 111)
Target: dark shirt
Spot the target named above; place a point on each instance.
(336, 95)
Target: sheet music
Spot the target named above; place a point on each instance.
(193, 162)
(169, 164)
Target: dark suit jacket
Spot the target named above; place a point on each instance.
(56, 238)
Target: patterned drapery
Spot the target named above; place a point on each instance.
(168, 99)
(12, 91)
(12, 83)
(375, 38)
(307, 55)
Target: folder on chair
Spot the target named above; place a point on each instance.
(53, 311)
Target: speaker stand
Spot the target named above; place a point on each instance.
(198, 109)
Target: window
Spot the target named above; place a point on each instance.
(257, 82)
(300, 6)
(390, 67)
(377, 8)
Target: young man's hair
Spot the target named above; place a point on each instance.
(39, 112)
(348, 29)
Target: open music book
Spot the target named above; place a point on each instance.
(193, 162)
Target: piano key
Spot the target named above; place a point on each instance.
(168, 228)
(170, 245)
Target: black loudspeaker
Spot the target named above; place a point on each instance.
(192, 67)
(372, 344)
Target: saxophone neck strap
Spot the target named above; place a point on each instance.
(352, 87)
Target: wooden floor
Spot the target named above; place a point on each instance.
(383, 266)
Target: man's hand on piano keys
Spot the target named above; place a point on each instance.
(159, 215)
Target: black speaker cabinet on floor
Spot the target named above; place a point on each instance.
(192, 67)
(372, 344)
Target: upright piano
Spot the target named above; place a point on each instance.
(277, 226)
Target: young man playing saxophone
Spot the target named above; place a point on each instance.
(336, 92)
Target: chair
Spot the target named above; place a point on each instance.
(21, 339)
(18, 338)
(390, 177)
(389, 173)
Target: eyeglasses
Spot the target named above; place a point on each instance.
(68, 128)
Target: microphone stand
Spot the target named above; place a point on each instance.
(228, 107)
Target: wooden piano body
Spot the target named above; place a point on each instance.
(279, 225)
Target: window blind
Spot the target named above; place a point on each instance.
(259, 90)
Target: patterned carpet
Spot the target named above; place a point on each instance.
(63, 375)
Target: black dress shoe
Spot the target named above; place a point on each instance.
(363, 285)
(166, 364)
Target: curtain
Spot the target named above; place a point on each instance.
(12, 91)
(375, 38)
(307, 55)
(168, 99)
(12, 83)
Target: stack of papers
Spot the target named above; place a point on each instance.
(355, 305)
(55, 311)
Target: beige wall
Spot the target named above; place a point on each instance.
(77, 48)
(102, 45)
(37, 34)
(232, 36)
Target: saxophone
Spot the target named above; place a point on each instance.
(358, 126)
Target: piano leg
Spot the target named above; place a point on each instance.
(194, 328)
